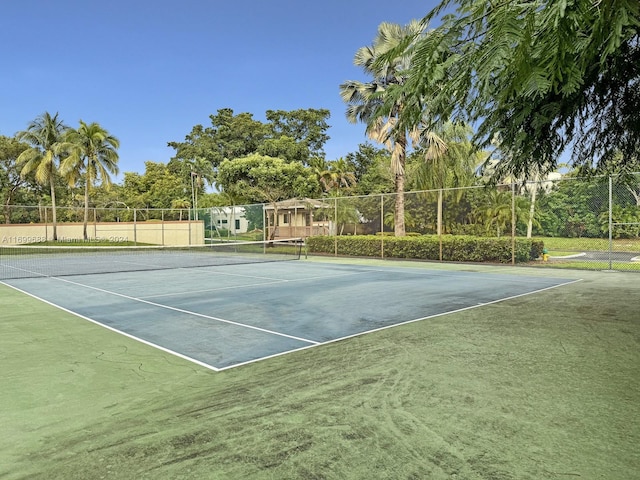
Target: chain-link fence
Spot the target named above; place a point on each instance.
(591, 223)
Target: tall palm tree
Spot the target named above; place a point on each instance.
(92, 153)
(364, 100)
(44, 135)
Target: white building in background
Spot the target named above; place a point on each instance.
(229, 219)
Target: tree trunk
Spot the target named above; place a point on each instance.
(532, 209)
(398, 219)
(54, 217)
(86, 209)
(7, 206)
(439, 213)
(272, 233)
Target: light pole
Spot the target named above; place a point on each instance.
(194, 194)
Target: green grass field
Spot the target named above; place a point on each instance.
(545, 386)
(592, 244)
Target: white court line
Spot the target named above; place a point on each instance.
(312, 344)
(188, 312)
(402, 323)
(133, 337)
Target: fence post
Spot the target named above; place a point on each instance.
(382, 226)
(439, 220)
(335, 227)
(513, 223)
(135, 230)
(610, 222)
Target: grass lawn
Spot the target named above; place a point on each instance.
(590, 244)
(590, 265)
(545, 386)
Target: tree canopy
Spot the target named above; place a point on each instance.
(546, 75)
(292, 135)
(259, 178)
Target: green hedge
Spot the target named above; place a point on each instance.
(455, 248)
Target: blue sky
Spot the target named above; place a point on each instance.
(148, 71)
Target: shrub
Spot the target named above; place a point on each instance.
(455, 248)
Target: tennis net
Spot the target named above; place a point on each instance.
(30, 261)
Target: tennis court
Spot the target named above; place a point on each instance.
(229, 312)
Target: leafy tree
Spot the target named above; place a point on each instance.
(93, 156)
(10, 179)
(156, 188)
(306, 127)
(364, 100)
(360, 161)
(258, 179)
(198, 168)
(573, 208)
(294, 136)
(545, 74)
(229, 136)
(371, 167)
(624, 171)
(44, 135)
(286, 148)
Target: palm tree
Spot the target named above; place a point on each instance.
(365, 99)
(44, 135)
(498, 208)
(320, 168)
(92, 153)
(332, 176)
(447, 159)
(180, 204)
(495, 210)
(340, 176)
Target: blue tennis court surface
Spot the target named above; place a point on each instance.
(225, 316)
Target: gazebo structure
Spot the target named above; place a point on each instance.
(297, 218)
